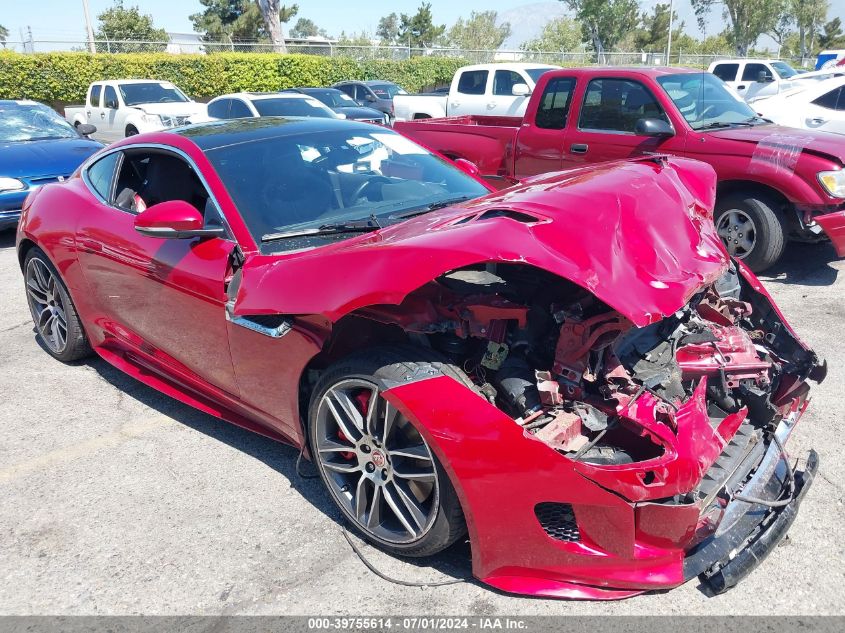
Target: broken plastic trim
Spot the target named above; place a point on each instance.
(272, 325)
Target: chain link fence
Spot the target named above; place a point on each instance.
(194, 44)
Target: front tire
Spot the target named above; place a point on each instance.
(752, 229)
(131, 130)
(378, 468)
(57, 324)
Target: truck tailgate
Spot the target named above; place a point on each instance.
(487, 141)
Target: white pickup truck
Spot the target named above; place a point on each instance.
(493, 89)
(124, 107)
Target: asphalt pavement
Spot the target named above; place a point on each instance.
(115, 499)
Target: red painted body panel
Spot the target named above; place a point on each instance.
(156, 309)
(783, 159)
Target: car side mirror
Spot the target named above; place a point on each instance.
(763, 77)
(653, 127)
(520, 90)
(111, 104)
(174, 219)
(468, 167)
(86, 129)
(370, 98)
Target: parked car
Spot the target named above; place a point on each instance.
(494, 89)
(342, 103)
(37, 146)
(125, 107)
(817, 107)
(754, 77)
(374, 93)
(240, 105)
(335, 286)
(775, 183)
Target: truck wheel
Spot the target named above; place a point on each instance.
(752, 229)
(131, 130)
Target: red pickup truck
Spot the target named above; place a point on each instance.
(775, 183)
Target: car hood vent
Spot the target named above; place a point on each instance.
(519, 216)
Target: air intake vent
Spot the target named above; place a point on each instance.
(558, 521)
(519, 216)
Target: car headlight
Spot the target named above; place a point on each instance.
(11, 184)
(153, 119)
(833, 182)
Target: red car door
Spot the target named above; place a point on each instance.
(602, 124)
(164, 298)
(540, 146)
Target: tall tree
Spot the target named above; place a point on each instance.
(478, 32)
(782, 28)
(604, 22)
(419, 30)
(832, 36)
(306, 27)
(4, 33)
(388, 29)
(275, 14)
(561, 35)
(223, 20)
(653, 34)
(809, 16)
(125, 24)
(749, 19)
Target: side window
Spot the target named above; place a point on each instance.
(615, 105)
(726, 72)
(239, 110)
(752, 71)
(833, 100)
(146, 178)
(472, 82)
(110, 98)
(219, 109)
(554, 104)
(101, 175)
(348, 89)
(504, 81)
(94, 98)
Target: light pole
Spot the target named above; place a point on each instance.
(669, 41)
(88, 27)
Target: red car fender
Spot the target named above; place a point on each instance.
(834, 226)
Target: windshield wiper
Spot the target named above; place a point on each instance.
(333, 228)
(409, 213)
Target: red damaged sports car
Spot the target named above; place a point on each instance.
(572, 370)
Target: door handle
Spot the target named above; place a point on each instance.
(456, 104)
(491, 105)
(579, 148)
(102, 115)
(818, 120)
(740, 87)
(88, 113)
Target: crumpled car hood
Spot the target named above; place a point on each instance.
(637, 234)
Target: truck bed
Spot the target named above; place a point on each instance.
(487, 141)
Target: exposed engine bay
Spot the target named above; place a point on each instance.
(573, 372)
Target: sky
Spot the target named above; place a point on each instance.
(63, 19)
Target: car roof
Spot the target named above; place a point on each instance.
(216, 134)
(257, 96)
(18, 102)
(647, 71)
(508, 66)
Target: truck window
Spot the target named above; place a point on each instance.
(219, 109)
(239, 110)
(833, 100)
(472, 82)
(504, 81)
(110, 98)
(752, 71)
(94, 97)
(615, 105)
(726, 72)
(554, 104)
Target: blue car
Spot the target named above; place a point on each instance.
(37, 146)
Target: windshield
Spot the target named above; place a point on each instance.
(387, 91)
(135, 94)
(286, 106)
(536, 73)
(333, 98)
(705, 101)
(784, 70)
(301, 181)
(32, 122)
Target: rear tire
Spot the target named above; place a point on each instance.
(131, 130)
(752, 228)
(57, 323)
(433, 519)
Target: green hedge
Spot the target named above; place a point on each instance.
(57, 78)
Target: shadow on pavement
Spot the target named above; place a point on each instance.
(806, 264)
(454, 562)
(7, 238)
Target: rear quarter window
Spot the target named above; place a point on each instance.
(554, 104)
(726, 72)
(94, 97)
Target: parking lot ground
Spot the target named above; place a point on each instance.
(115, 499)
